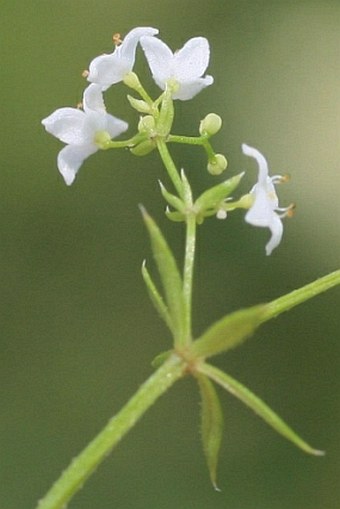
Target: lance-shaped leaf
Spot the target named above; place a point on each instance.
(211, 198)
(296, 297)
(156, 297)
(186, 189)
(229, 332)
(256, 404)
(170, 277)
(172, 199)
(212, 424)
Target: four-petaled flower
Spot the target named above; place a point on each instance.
(106, 70)
(82, 131)
(265, 211)
(184, 68)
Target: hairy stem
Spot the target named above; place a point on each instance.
(85, 463)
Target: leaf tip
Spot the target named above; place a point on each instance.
(317, 452)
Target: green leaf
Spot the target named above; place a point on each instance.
(156, 298)
(252, 401)
(215, 195)
(161, 358)
(170, 277)
(212, 425)
(173, 200)
(229, 332)
(292, 299)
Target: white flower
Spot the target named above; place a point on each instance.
(80, 129)
(265, 211)
(106, 70)
(185, 67)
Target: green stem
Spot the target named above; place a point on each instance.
(170, 166)
(83, 465)
(131, 142)
(188, 273)
(188, 140)
(292, 299)
(193, 140)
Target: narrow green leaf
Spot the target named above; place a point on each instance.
(172, 199)
(256, 404)
(213, 196)
(229, 332)
(187, 193)
(156, 297)
(170, 277)
(292, 299)
(161, 358)
(212, 425)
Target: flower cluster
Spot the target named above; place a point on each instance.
(180, 75)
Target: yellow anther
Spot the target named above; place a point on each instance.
(291, 210)
(117, 39)
(85, 73)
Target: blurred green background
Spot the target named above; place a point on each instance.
(77, 331)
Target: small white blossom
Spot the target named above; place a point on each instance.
(82, 130)
(184, 67)
(107, 70)
(265, 211)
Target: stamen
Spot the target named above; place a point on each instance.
(286, 211)
(79, 106)
(117, 39)
(291, 210)
(85, 73)
(280, 179)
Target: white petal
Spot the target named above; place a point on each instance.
(192, 60)
(115, 126)
(69, 125)
(107, 70)
(189, 90)
(276, 228)
(262, 211)
(71, 158)
(93, 99)
(261, 161)
(159, 57)
(127, 50)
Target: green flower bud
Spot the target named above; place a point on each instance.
(217, 164)
(131, 80)
(144, 148)
(139, 105)
(210, 125)
(146, 125)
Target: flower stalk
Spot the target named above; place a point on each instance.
(180, 76)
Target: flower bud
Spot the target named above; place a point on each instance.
(144, 148)
(217, 164)
(138, 104)
(131, 80)
(210, 125)
(146, 124)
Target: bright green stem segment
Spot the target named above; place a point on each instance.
(170, 166)
(255, 403)
(188, 273)
(292, 299)
(83, 465)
